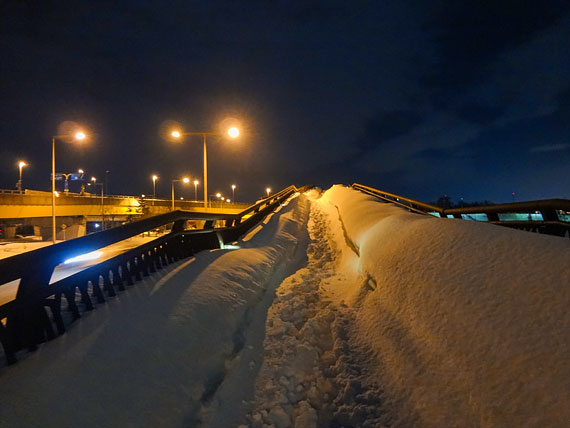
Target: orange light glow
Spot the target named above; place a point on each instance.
(233, 132)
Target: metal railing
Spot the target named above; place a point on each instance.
(25, 321)
(551, 213)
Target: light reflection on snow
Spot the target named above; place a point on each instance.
(231, 247)
(84, 257)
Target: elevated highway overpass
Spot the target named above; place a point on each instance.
(75, 211)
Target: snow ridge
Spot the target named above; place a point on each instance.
(468, 322)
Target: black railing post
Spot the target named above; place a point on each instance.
(156, 257)
(85, 299)
(149, 256)
(7, 344)
(69, 291)
(126, 273)
(107, 283)
(117, 280)
(96, 290)
(55, 306)
(145, 264)
(137, 266)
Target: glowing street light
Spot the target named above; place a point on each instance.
(268, 190)
(234, 192)
(185, 180)
(21, 165)
(78, 136)
(232, 132)
(94, 184)
(196, 182)
(154, 178)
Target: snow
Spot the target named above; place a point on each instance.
(469, 322)
(336, 310)
(156, 353)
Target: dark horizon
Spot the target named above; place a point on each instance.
(471, 100)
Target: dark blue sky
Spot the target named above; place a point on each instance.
(470, 99)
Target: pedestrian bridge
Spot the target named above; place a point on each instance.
(27, 288)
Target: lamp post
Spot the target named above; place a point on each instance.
(184, 180)
(196, 182)
(21, 165)
(94, 183)
(233, 192)
(268, 190)
(232, 132)
(79, 136)
(154, 178)
(218, 196)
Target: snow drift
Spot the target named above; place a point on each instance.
(469, 322)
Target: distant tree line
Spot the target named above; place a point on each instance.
(445, 201)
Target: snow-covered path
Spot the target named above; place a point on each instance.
(336, 311)
(305, 372)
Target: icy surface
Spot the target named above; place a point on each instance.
(337, 311)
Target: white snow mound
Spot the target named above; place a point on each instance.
(469, 322)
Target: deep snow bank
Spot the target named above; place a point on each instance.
(469, 322)
(155, 354)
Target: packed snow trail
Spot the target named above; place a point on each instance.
(310, 374)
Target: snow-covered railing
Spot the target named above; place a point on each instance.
(549, 216)
(25, 323)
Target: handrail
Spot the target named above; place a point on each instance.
(27, 323)
(412, 204)
(551, 222)
(513, 207)
(267, 200)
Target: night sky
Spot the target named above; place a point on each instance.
(421, 98)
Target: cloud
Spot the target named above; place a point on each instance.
(550, 148)
(471, 35)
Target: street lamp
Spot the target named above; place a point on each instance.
(234, 192)
(154, 178)
(185, 180)
(21, 165)
(79, 136)
(232, 132)
(196, 182)
(268, 190)
(94, 183)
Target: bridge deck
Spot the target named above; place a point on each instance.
(33, 204)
